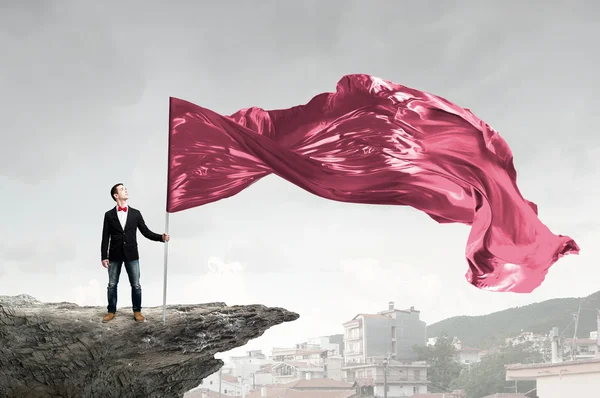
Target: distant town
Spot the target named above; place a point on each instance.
(389, 355)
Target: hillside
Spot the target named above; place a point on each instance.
(487, 330)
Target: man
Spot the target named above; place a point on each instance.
(119, 232)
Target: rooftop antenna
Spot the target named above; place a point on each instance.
(574, 343)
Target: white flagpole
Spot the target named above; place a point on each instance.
(165, 274)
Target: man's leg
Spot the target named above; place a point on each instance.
(133, 272)
(114, 272)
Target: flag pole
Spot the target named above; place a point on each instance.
(167, 218)
(165, 273)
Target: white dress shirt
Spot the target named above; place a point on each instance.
(122, 215)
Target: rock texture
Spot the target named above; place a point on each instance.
(64, 350)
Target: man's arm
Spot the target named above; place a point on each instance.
(105, 239)
(146, 231)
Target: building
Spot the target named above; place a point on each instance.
(507, 395)
(319, 385)
(584, 348)
(224, 383)
(302, 352)
(490, 351)
(246, 366)
(325, 344)
(392, 332)
(317, 358)
(254, 357)
(292, 371)
(466, 355)
(318, 388)
(203, 393)
(454, 394)
(578, 378)
(278, 392)
(332, 368)
(402, 378)
(263, 376)
(240, 374)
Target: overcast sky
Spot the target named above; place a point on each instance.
(84, 105)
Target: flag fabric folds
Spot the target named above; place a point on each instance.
(373, 141)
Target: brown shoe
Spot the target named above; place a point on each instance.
(108, 317)
(138, 317)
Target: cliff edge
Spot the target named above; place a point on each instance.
(64, 350)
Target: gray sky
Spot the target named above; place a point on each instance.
(85, 104)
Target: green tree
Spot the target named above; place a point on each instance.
(441, 358)
(489, 376)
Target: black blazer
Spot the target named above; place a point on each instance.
(123, 243)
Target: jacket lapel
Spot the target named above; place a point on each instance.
(129, 218)
(116, 219)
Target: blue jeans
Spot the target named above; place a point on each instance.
(133, 272)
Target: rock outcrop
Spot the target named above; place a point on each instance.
(64, 350)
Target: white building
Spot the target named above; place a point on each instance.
(324, 343)
(579, 378)
(245, 366)
(392, 331)
(332, 368)
(200, 392)
(300, 353)
(584, 348)
(316, 388)
(403, 378)
(264, 376)
(226, 384)
(466, 355)
(317, 358)
(288, 372)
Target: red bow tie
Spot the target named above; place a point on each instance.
(122, 208)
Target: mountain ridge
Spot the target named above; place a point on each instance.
(484, 331)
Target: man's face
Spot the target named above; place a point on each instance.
(122, 193)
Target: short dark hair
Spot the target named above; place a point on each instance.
(113, 191)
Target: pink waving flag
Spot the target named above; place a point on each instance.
(376, 142)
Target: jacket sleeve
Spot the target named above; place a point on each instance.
(105, 239)
(146, 231)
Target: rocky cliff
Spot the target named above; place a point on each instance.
(64, 350)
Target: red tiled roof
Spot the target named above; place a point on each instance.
(229, 378)
(278, 392)
(318, 383)
(581, 341)
(295, 364)
(295, 351)
(453, 394)
(469, 349)
(365, 381)
(203, 393)
(576, 362)
(506, 395)
(268, 368)
(433, 395)
(300, 364)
